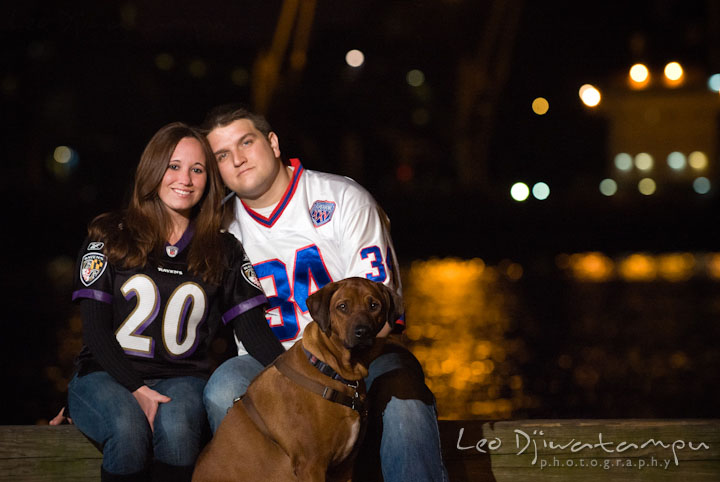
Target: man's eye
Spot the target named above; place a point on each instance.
(221, 157)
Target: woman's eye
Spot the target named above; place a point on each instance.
(198, 170)
(174, 167)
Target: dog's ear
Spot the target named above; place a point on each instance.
(393, 305)
(319, 306)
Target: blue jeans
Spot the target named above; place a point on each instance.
(409, 446)
(107, 413)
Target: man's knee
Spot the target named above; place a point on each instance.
(229, 381)
(409, 418)
(406, 382)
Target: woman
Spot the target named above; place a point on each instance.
(155, 283)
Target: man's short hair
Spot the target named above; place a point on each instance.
(225, 114)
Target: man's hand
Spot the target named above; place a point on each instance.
(149, 401)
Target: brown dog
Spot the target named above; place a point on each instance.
(303, 414)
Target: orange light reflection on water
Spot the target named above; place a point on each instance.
(458, 326)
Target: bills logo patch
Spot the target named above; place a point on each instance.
(321, 212)
(248, 273)
(92, 266)
(171, 251)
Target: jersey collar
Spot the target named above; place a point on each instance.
(184, 239)
(284, 201)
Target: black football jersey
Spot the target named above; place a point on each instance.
(164, 318)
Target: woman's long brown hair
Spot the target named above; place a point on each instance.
(131, 236)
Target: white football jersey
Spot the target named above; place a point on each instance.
(325, 228)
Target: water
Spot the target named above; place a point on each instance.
(582, 336)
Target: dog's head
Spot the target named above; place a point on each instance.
(354, 310)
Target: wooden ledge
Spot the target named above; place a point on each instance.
(552, 450)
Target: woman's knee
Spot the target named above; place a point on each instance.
(180, 433)
(128, 447)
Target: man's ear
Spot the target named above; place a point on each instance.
(274, 144)
(393, 305)
(319, 306)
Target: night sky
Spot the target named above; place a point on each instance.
(102, 77)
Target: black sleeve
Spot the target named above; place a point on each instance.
(97, 332)
(252, 330)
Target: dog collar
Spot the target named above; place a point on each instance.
(327, 370)
(356, 401)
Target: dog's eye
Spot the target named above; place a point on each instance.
(373, 305)
(342, 307)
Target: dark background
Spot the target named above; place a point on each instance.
(86, 75)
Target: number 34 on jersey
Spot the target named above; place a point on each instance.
(288, 287)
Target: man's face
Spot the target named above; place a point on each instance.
(249, 162)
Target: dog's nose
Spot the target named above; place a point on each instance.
(362, 332)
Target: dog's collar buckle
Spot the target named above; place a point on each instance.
(358, 404)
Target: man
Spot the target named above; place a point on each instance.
(303, 229)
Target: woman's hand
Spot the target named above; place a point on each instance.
(149, 400)
(60, 418)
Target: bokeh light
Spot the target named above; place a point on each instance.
(240, 76)
(164, 61)
(714, 83)
(647, 186)
(644, 161)
(698, 160)
(355, 58)
(639, 76)
(623, 161)
(673, 74)
(608, 187)
(589, 95)
(62, 162)
(415, 78)
(593, 266)
(519, 191)
(638, 267)
(701, 185)
(62, 154)
(540, 106)
(676, 267)
(197, 68)
(676, 160)
(541, 191)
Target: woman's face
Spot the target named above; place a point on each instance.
(185, 178)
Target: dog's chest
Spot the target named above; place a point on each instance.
(353, 434)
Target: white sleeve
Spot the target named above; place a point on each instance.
(365, 239)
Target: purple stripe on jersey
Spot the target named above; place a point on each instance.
(289, 192)
(93, 295)
(150, 354)
(246, 305)
(185, 238)
(183, 319)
